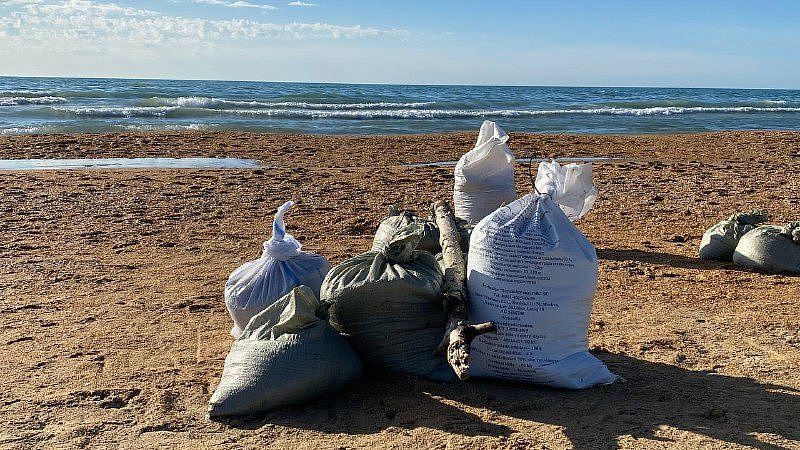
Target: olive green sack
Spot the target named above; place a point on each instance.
(286, 355)
(720, 241)
(388, 305)
(770, 248)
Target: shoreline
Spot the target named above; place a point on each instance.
(306, 150)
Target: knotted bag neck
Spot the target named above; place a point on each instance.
(792, 230)
(744, 222)
(282, 245)
(400, 248)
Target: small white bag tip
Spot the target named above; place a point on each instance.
(570, 186)
(490, 130)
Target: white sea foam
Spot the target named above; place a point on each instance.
(210, 102)
(132, 111)
(455, 113)
(187, 127)
(406, 113)
(26, 93)
(19, 130)
(19, 101)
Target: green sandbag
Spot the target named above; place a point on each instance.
(770, 248)
(429, 232)
(429, 239)
(287, 354)
(720, 241)
(388, 305)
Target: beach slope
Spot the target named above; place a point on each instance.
(113, 329)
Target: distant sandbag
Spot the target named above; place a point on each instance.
(770, 248)
(429, 237)
(388, 305)
(282, 266)
(287, 354)
(720, 241)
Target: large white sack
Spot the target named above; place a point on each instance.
(281, 267)
(286, 355)
(484, 176)
(533, 273)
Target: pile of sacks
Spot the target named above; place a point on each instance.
(303, 328)
(745, 239)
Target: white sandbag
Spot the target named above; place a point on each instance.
(533, 273)
(484, 176)
(720, 241)
(570, 186)
(281, 267)
(770, 248)
(286, 355)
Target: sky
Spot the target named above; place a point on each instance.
(725, 43)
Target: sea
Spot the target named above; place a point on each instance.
(92, 105)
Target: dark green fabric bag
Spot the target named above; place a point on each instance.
(388, 305)
(286, 355)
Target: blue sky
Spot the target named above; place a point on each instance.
(583, 43)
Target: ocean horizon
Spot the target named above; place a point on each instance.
(99, 105)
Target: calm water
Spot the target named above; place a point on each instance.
(50, 105)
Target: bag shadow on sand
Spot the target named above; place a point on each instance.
(658, 258)
(727, 408)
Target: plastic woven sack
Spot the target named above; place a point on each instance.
(388, 305)
(720, 241)
(429, 238)
(533, 273)
(484, 176)
(282, 266)
(570, 186)
(286, 355)
(770, 248)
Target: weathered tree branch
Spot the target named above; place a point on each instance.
(459, 333)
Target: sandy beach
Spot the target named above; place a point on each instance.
(114, 329)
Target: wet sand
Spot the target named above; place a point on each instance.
(114, 328)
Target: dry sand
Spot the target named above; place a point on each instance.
(114, 329)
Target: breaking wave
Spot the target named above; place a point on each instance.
(20, 101)
(410, 113)
(127, 112)
(455, 113)
(26, 93)
(210, 102)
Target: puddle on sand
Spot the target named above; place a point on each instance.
(130, 163)
(207, 163)
(585, 159)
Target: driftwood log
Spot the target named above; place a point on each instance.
(459, 332)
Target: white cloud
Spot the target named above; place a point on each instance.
(301, 4)
(244, 4)
(85, 25)
(236, 4)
